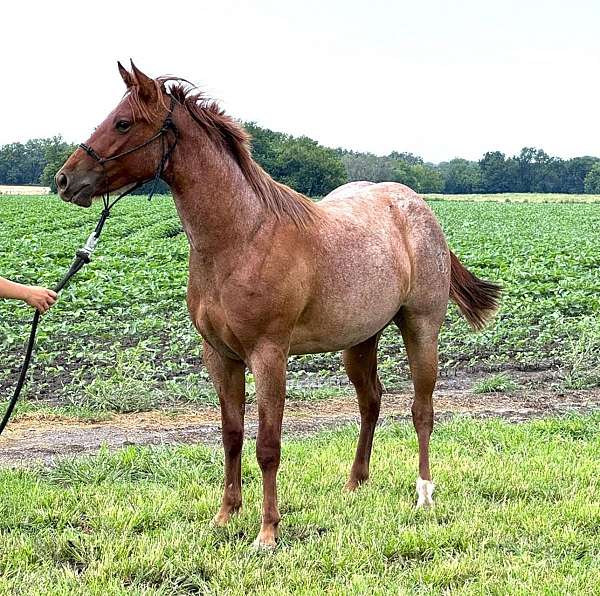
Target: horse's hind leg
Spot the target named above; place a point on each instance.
(420, 333)
(361, 365)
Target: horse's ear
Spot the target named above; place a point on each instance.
(127, 78)
(144, 82)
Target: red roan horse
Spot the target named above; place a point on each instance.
(272, 274)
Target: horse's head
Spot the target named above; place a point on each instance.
(136, 119)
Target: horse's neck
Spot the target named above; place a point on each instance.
(216, 204)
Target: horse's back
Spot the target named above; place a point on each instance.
(347, 190)
(372, 197)
(388, 206)
(405, 228)
(367, 252)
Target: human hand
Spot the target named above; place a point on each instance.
(40, 298)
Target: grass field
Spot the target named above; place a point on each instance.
(517, 513)
(122, 328)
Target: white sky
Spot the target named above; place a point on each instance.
(440, 78)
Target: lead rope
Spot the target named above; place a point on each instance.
(83, 255)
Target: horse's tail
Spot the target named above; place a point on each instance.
(476, 298)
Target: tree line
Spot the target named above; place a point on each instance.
(532, 170)
(33, 162)
(314, 170)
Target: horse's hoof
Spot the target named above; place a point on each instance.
(351, 486)
(264, 545)
(425, 490)
(356, 479)
(266, 539)
(220, 520)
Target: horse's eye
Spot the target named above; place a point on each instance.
(123, 125)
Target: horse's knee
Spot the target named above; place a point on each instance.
(370, 404)
(233, 440)
(422, 415)
(268, 453)
(358, 376)
(369, 391)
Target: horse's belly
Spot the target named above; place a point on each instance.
(363, 277)
(308, 342)
(341, 319)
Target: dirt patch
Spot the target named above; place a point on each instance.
(34, 440)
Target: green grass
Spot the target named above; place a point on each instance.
(46, 411)
(517, 513)
(129, 302)
(584, 366)
(495, 384)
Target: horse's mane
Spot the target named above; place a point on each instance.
(228, 133)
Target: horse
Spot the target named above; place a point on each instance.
(272, 273)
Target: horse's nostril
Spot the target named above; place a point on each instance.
(62, 181)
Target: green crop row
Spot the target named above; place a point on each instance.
(125, 318)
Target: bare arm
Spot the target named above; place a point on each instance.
(39, 298)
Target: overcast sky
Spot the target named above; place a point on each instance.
(438, 78)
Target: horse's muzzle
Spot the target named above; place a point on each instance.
(78, 188)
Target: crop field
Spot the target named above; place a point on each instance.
(120, 337)
(519, 197)
(123, 323)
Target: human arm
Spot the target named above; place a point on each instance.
(39, 298)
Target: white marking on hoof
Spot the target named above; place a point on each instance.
(258, 544)
(425, 490)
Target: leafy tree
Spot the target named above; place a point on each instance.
(537, 171)
(307, 167)
(430, 179)
(421, 178)
(405, 174)
(265, 144)
(22, 163)
(13, 164)
(461, 176)
(56, 153)
(35, 159)
(299, 162)
(315, 170)
(367, 166)
(406, 168)
(592, 180)
(498, 174)
(406, 157)
(574, 172)
(525, 169)
(546, 174)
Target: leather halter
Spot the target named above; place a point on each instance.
(167, 150)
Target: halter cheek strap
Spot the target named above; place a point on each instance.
(166, 150)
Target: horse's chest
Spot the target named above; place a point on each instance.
(210, 323)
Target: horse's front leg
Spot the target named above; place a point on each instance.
(228, 378)
(268, 363)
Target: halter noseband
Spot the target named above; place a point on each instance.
(167, 151)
